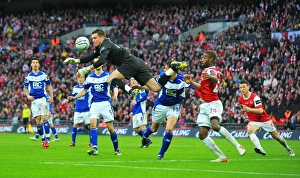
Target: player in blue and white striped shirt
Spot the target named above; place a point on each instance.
(100, 107)
(35, 84)
(167, 106)
(82, 109)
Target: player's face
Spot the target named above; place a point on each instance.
(244, 89)
(80, 80)
(205, 60)
(133, 82)
(166, 68)
(97, 40)
(35, 64)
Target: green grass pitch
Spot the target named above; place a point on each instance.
(186, 157)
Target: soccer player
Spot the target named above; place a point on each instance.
(82, 109)
(128, 65)
(139, 115)
(211, 107)
(50, 120)
(167, 106)
(100, 106)
(26, 114)
(258, 118)
(34, 88)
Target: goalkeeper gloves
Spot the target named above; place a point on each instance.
(83, 71)
(71, 61)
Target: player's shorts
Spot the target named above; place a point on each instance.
(139, 119)
(39, 107)
(25, 121)
(82, 117)
(209, 110)
(160, 113)
(136, 68)
(267, 126)
(103, 109)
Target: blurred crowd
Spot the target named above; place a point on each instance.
(155, 34)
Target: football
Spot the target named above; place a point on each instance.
(82, 43)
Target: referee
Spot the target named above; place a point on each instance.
(26, 113)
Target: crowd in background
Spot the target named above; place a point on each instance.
(152, 33)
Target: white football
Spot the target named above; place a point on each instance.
(82, 43)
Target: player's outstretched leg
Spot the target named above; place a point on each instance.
(175, 65)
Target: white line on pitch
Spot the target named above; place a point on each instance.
(171, 169)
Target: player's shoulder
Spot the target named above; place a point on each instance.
(211, 70)
(180, 76)
(106, 73)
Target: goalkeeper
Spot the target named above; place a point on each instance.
(128, 65)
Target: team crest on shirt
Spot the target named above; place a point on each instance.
(212, 72)
(251, 102)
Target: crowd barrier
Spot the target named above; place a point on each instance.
(178, 132)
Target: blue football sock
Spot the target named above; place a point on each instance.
(94, 136)
(47, 129)
(140, 133)
(165, 143)
(40, 131)
(74, 133)
(147, 132)
(90, 136)
(114, 140)
(53, 129)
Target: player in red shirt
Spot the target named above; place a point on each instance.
(211, 107)
(258, 118)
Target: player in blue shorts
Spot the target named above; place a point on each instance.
(167, 106)
(100, 107)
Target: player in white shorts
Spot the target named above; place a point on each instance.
(211, 107)
(138, 111)
(167, 106)
(100, 107)
(82, 109)
(258, 118)
(50, 120)
(35, 84)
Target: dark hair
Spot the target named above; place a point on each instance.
(211, 54)
(169, 63)
(100, 32)
(244, 82)
(34, 59)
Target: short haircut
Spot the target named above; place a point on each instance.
(35, 59)
(100, 32)
(245, 82)
(169, 63)
(211, 54)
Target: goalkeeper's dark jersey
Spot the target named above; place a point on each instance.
(108, 52)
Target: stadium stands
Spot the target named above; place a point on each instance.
(246, 50)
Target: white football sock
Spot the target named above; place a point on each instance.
(213, 147)
(127, 88)
(254, 139)
(169, 72)
(228, 136)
